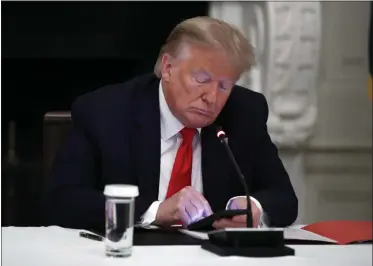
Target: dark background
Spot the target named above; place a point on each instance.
(53, 52)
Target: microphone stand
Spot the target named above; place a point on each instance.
(249, 217)
(249, 241)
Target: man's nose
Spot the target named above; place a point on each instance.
(210, 93)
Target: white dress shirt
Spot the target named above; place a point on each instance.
(170, 141)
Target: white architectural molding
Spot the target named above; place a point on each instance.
(286, 37)
(333, 171)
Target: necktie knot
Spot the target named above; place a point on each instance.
(188, 134)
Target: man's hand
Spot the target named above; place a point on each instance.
(239, 220)
(187, 206)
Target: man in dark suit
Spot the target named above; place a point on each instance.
(158, 131)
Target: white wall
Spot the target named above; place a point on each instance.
(338, 162)
(331, 174)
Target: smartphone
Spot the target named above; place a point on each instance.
(206, 223)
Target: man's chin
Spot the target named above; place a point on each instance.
(197, 122)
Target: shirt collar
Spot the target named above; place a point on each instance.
(170, 125)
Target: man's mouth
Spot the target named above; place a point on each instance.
(202, 112)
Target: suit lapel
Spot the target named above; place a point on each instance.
(146, 139)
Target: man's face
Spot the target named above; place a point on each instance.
(197, 84)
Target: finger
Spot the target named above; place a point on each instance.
(192, 205)
(219, 224)
(198, 205)
(190, 208)
(222, 223)
(184, 218)
(216, 225)
(242, 220)
(236, 225)
(199, 202)
(256, 214)
(182, 212)
(202, 202)
(193, 212)
(227, 223)
(239, 219)
(256, 218)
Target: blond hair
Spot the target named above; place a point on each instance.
(212, 32)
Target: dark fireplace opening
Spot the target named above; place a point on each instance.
(52, 52)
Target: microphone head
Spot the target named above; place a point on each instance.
(220, 133)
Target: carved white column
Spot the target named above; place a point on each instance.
(286, 37)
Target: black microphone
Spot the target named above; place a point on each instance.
(248, 242)
(224, 140)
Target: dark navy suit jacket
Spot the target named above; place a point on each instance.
(115, 138)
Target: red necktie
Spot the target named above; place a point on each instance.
(181, 175)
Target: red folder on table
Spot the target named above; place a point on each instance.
(343, 232)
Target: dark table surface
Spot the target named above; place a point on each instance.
(146, 237)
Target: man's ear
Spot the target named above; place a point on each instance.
(166, 67)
